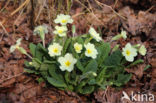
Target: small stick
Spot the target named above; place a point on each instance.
(5, 5)
(101, 5)
(19, 8)
(12, 77)
(149, 9)
(4, 28)
(4, 31)
(40, 10)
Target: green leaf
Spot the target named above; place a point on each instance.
(22, 50)
(40, 52)
(49, 62)
(135, 63)
(30, 71)
(87, 75)
(32, 48)
(55, 72)
(44, 74)
(92, 82)
(70, 88)
(87, 90)
(100, 76)
(122, 79)
(44, 67)
(66, 45)
(91, 66)
(26, 63)
(147, 67)
(56, 83)
(80, 40)
(104, 50)
(114, 59)
(36, 63)
(40, 80)
(80, 66)
(71, 78)
(67, 74)
(80, 85)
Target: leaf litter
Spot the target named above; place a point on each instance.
(18, 87)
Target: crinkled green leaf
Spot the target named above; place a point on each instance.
(36, 63)
(91, 66)
(122, 79)
(66, 45)
(87, 90)
(100, 76)
(114, 59)
(55, 72)
(80, 66)
(104, 51)
(30, 71)
(32, 48)
(56, 83)
(40, 52)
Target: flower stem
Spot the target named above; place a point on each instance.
(28, 56)
(43, 41)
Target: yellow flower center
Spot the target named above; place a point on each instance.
(17, 47)
(128, 52)
(55, 50)
(64, 21)
(67, 63)
(30, 63)
(60, 31)
(89, 51)
(77, 48)
(40, 29)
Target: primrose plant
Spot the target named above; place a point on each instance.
(81, 63)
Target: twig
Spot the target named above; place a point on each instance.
(149, 9)
(116, 1)
(21, 6)
(5, 5)
(15, 11)
(11, 77)
(4, 28)
(17, 20)
(82, 5)
(40, 10)
(91, 11)
(49, 16)
(101, 5)
(78, 14)
(4, 31)
(106, 91)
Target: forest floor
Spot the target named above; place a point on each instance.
(136, 17)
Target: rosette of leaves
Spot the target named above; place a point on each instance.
(88, 75)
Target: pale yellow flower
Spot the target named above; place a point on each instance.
(61, 31)
(90, 50)
(16, 46)
(78, 47)
(142, 50)
(67, 62)
(94, 34)
(63, 19)
(55, 49)
(129, 52)
(123, 34)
